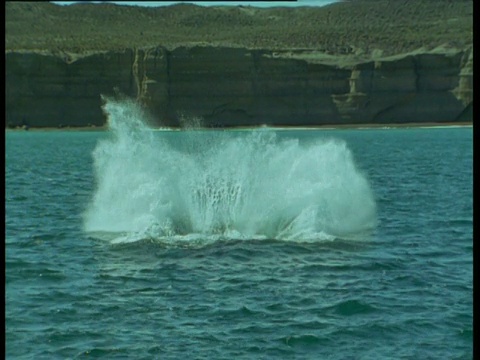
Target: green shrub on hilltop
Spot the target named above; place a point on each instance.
(394, 26)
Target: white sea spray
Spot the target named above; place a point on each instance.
(214, 185)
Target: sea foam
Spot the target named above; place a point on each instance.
(196, 185)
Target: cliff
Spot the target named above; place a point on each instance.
(239, 84)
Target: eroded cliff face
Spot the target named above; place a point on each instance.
(238, 87)
(415, 88)
(52, 91)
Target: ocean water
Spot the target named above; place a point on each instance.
(254, 244)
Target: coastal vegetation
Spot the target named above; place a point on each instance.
(353, 27)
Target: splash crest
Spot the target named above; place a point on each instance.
(211, 184)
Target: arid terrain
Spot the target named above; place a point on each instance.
(361, 26)
(357, 61)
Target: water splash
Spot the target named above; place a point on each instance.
(207, 185)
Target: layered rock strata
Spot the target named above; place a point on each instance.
(239, 87)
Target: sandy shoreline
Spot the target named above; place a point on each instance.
(313, 127)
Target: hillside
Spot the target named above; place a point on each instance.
(362, 26)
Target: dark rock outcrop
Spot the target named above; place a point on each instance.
(239, 87)
(45, 90)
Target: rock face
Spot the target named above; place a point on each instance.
(50, 91)
(239, 87)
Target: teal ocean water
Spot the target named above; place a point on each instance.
(255, 244)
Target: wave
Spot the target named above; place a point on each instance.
(195, 185)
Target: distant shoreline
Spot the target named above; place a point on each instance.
(370, 61)
(426, 125)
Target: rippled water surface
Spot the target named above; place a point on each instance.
(347, 244)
